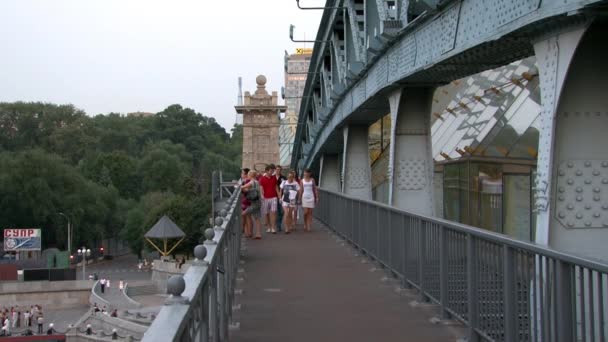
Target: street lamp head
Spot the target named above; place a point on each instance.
(79, 251)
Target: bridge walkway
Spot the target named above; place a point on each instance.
(314, 287)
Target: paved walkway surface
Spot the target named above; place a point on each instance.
(310, 287)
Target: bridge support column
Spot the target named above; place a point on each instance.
(571, 186)
(329, 177)
(356, 168)
(410, 171)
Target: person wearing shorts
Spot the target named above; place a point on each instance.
(253, 210)
(270, 193)
(310, 196)
(290, 191)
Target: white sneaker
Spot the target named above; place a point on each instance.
(268, 230)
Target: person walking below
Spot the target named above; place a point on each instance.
(102, 283)
(290, 191)
(270, 193)
(252, 192)
(280, 211)
(40, 323)
(310, 196)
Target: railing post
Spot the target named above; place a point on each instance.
(213, 319)
(509, 296)
(421, 254)
(204, 333)
(221, 295)
(472, 285)
(564, 301)
(443, 272)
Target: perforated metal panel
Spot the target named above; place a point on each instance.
(411, 174)
(547, 59)
(358, 178)
(359, 93)
(503, 12)
(438, 37)
(582, 194)
(378, 77)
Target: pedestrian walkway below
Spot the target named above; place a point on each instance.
(313, 287)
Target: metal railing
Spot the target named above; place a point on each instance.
(500, 288)
(199, 307)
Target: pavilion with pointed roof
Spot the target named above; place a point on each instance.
(164, 230)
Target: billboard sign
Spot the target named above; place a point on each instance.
(28, 239)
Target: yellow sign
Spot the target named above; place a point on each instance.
(303, 51)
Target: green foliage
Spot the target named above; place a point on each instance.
(113, 175)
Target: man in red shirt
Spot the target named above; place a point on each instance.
(270, 191)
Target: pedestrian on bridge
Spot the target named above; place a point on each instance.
(280, 211)
(245, 203)
(310, 196)
(290, 191)
(270, 194)
(252, 192)
(102, 283)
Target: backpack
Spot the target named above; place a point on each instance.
(253, 194)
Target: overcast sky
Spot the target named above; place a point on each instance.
(143, 55)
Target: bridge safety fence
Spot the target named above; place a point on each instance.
(500, 288)
(199, 307)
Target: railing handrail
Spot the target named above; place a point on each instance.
(190, 312)
(488, 235)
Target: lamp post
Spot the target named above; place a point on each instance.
(85, 253)
(69, 233)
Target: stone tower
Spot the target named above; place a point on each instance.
(261, 119)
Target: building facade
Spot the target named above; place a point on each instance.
(296, 71)
(261, 116)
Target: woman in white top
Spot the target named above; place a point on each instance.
(290, 190)
(310, 196)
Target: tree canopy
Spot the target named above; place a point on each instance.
(113, 175)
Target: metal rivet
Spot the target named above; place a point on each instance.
(562, 215)
(605, 164)
(561, 172)
(596, 190)
(587, 164)
(587, 181)
(570, 207)
(579, 198)
(579, 173)
(579, 216)
(588, 207)
(596, 198)
(579, 189)
(570, 224)
(605, 181)
(570, 181)
(596, 173)
(588, 224)
(570, 164)
(561, 198)
(596, 215)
